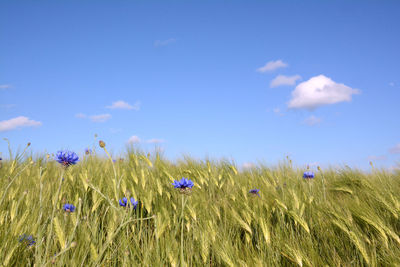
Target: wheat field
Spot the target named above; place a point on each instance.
(342, 217)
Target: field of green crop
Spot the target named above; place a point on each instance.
(342, 217)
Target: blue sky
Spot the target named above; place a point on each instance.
(248, 80)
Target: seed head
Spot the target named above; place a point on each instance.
(102, 144)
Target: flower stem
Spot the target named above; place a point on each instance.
(183, 218)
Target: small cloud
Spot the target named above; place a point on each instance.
(158, 43)
(248, 165)
(115, 130)
(94, 118)
(100, 118)
(319, 91)
(272, 65)
(376, 158)
(277, 111)
(5, 86)
(284, 80)
(124, 105)
(155, 141)
(312, 120)
(18, 122)
(391, 83)
(395, 149)
(7, 106)
(394, 168)
(80, 115)
(134, 140)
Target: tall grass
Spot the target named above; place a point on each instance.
(350, 218)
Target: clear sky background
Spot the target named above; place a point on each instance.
(245, 80)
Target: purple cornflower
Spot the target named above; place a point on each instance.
(124, 201)
(255, 191)
(28, 239)
(67, 158)
(308, 175)
(69, 207)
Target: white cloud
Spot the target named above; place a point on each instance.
(100, 117)
(284, 80)
(134, 139)
(394, 168)
(94, 118)
(376, 158)
(395, 149)
(115, 130)
(164, 42)
(272, 65)
(124, 105)
(7, 106)
(312, 120)
(5, 86)
(18, 122)
(391, 83)
(278, 111)
(80, 115)
(155, 141)
(318, 91)
(248, 165)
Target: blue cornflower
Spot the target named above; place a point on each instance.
(124, 201)
(308, 175)
(69, 207)
(254, 191)
(183, 183)
(67, 158)
(134, 203)
(29, 239)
